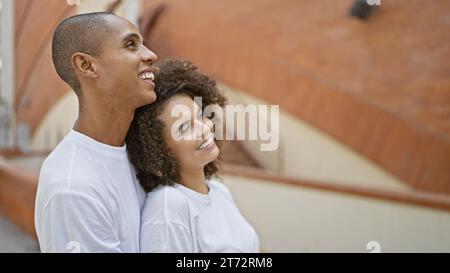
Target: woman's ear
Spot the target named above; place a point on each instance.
(84, 65)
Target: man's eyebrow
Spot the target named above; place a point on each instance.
(130, 36)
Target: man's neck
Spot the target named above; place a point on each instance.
(105, 124)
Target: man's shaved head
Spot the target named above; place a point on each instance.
(80, 33)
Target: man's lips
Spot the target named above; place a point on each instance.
(148, 78)
(148, 71)
(147, 75)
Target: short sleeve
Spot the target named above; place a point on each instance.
(74, 222)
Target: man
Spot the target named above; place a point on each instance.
(88, 198)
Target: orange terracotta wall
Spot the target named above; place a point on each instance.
(17, 195)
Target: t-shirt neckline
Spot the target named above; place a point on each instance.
(96, 145)
(205, 199)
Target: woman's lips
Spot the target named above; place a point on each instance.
(208, 144)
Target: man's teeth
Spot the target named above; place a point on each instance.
(207, 143)
(147, 76)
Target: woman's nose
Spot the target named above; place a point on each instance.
(206, 126)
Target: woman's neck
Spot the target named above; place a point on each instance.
(195, 181)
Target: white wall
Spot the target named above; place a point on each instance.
(93, 5)
(7, 50)
(128, 8)
(56, 123)
(296, 219)
(7, 72)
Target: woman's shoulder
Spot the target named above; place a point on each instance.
(214, 182)
(166, 203)
(220, 187)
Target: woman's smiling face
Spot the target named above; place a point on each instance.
(190, 137)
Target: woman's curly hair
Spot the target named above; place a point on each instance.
(154, 162)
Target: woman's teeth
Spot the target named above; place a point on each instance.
(147, 76)
(206, 144)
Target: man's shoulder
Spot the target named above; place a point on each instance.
(69, 161)
(68, 170)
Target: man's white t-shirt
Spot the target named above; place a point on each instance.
(178, 219)
(88, 198)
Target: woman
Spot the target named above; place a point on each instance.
(186, 209)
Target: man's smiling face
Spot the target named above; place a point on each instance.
(125, 66)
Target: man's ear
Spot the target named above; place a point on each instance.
(84, 65)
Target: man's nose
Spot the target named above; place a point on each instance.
(148, 56)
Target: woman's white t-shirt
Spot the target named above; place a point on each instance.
(178, 219)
